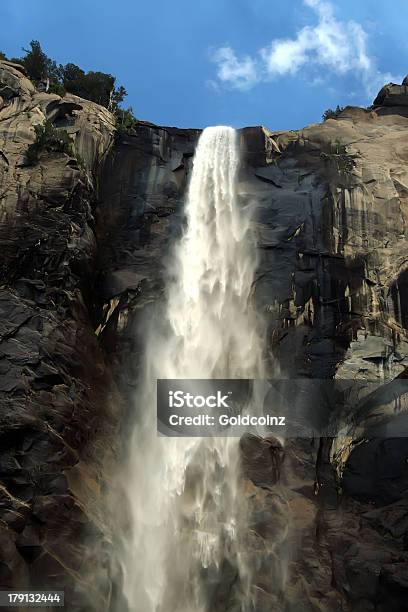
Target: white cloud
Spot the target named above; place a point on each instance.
(338, 46)
(240, 73)
(329, 46)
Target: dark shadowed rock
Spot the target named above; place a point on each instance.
(377, 471)
(261, 459)
(393, 95)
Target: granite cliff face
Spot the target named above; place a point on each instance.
(332, 205)
(59, 415)
(82, 265)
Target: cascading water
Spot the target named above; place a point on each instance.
(185, 509)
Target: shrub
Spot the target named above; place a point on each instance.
(57, 88)
(49, 138)
(332, 114)
(125, 120)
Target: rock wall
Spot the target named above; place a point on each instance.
(331, 208)
(82, 267)
(142, 189)
(59, 409)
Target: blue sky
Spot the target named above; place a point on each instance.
(192, 63)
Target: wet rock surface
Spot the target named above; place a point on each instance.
(82, 267)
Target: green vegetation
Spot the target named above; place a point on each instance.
(49, 138)
(98, 87)
(332, 114)
(125, 120)
(39, 66)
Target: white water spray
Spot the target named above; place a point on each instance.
(185, 507)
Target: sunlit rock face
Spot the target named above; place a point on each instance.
(83, 263)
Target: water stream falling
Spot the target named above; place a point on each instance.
(186, 511)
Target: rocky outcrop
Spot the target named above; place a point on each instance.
(84, 240)
(393, 95)
(58, 412)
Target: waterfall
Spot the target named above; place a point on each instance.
(186, 511)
